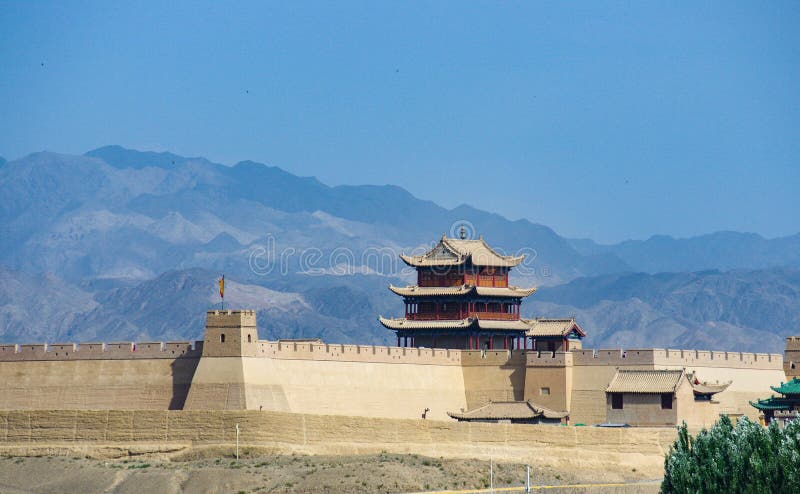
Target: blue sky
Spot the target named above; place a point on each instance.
(601, 120)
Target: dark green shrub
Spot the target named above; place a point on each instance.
(747, 458)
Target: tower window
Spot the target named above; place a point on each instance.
(616, 401)
(666, 401)
(249, 339)
(222, 338)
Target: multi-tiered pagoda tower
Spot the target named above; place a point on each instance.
(462, 299)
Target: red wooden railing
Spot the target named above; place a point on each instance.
(496, 316)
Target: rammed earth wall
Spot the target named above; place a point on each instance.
(93, 432)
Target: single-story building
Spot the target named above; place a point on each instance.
(656, 398)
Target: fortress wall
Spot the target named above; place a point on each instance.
(337, 379)
(586, 448)
(100, 351)
(354, 387)
(492, 375)
(141, 383)
(549, 378)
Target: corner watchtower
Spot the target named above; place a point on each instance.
(230, 333)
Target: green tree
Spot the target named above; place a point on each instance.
(747, 458)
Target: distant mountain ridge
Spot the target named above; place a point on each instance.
(128, 233)
(741, 309)
(720, 250)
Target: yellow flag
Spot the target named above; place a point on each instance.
(222, 287)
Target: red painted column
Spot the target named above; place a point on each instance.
(491, 342)
(505, 342)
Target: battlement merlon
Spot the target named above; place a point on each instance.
(793, 344)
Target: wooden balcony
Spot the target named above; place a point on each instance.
(452, 316)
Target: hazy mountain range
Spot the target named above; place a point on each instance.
(120, 244)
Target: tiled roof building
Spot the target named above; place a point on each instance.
(516, 412)
(463, 300)
(786, 407)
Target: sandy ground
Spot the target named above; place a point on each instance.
(201, 472)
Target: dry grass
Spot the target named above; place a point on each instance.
(210, 470)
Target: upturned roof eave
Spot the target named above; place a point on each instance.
(462, 290)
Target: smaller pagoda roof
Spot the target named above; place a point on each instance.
(518, 325)
(461, 290)
(430, 291)
(403, 323)
(775, 403)
(511, 291)
(788, 388)
(645, 381)
(455, 252)
(705, 388)
(508, 410)
(468, 323)
(553, 327)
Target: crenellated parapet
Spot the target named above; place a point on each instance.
(549, 359)
(290, 350)
(672, 357)
(100, 351)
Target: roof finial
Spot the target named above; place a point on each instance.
(463, 233)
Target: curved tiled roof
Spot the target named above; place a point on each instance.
(470, 322)
(454, 252)
(788, 388)
(433, 291)
(425, 291)
(511, 291)
(518, 325)
(705, 388)
(645, 381)
(774, 403)
(403, 323)
(508, 410)
(554, 327)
